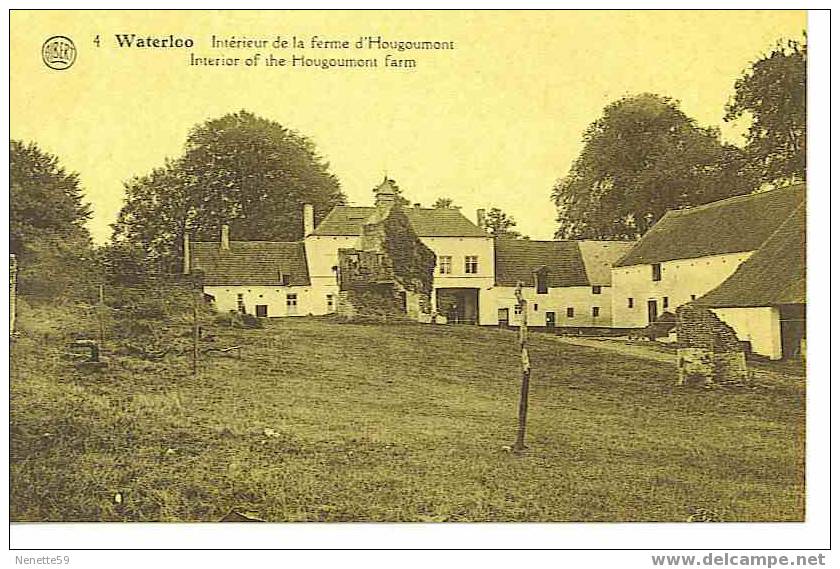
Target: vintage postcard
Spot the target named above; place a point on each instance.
(408, 266)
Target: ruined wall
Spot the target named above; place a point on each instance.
(710, 352)
(388, 276)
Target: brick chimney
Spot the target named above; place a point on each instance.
(186, 253)
(480, 216)
(224, 245)
(308, 219)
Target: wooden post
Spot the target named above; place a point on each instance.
(196, 330)
(99, 314)
(12, 292)
(519, 445)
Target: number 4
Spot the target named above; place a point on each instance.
(96, 40)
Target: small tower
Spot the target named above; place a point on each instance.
(386, 193)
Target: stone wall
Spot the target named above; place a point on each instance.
(710, 352)
(372, 303)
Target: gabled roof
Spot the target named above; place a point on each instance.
(599, 258)
(733, 225)
(256, 263)
(518, 260)
(773, 275)
(427, 222)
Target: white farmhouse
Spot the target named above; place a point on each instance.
(764, 300)
(464, 271)
(263, 278)
(691, 251)
(566, 283)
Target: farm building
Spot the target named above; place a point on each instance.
(691, 251)
(566, 283)
(764, 299)
(301, 278)
(464, 252)
(263, 278)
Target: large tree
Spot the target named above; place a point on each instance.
(47, 232)
(500, 225)
(241, 170)
(772, 93)
(643, 157)
(45, 200)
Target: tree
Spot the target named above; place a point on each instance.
(443, 203)
(772, 92)
(248, 172)
(500, 225)
(45, 201)
(643, 157)
(47, 232)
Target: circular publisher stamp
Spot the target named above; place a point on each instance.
(58, 52)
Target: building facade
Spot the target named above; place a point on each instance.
(765, 298)
(689, 252)
(566, 283)
(464, 252)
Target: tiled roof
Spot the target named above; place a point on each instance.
(427, 222)
(773, 275)
(256, 263)
(599, 258)
(518, 260)
(732, 225)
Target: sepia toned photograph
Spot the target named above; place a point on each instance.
(408, 266)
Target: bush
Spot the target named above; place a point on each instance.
(236, 319)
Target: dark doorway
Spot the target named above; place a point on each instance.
(459, 305)
(504, 317)
(262, 310)
(793, 325)
(550, 320)
(652, 312)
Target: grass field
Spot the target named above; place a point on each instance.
(327, 422)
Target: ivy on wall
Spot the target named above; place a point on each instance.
(413, 262)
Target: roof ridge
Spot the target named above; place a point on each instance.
(731, 199)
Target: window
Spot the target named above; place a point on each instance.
(471, 264)
(570, 312)
(262, 310)
(693, 297)
(517, 309)
(664, 302)
(629, 303)
(542, 282)
(536, 307)
(445, 264)
(240, 303)
(283, 278)
(291, 303)
(656, 271)
(596, 311)
(330, 302)
(596, 289)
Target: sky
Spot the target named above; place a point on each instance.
(491, 123)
